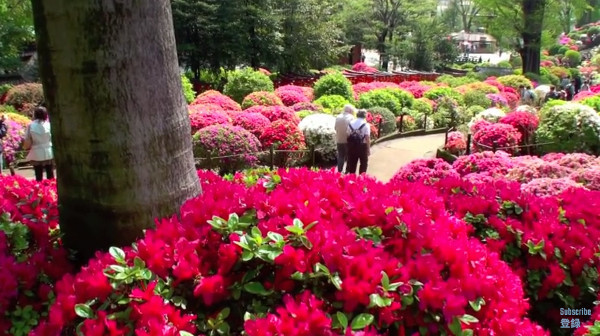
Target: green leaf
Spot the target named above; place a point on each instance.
(467, 332)
(322, 268)
(389, 210)
(247, 256)
(467, 319)
(309, 226)
(274, 236)
(306, 242)
(223, 329)
(256, 288)
(385, 281)
(117, 254)
(361, 321)
(117, 268)
(224, 313)
(83, 310)
(476, 305)
(295, 230)
(185, 333)
(337, 282)
(455, 327)
(377, 301)
(341, 317)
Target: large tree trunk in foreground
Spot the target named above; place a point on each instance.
(533, 18)
(121, 133)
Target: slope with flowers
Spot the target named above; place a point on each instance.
(459, 250)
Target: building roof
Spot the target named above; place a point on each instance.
(472, 37)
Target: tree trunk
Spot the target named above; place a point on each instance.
(121, 133)
(533, 18)
(381, 49)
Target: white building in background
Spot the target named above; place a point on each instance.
(443, 5)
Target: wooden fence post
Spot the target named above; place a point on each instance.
(469, 143)
(425, 122)
(379, 128)
(401, 126)
(272, 157)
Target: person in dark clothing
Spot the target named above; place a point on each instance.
(3, 132)
(552, 94)
(359, 143)
(578, 84)
(570, 89)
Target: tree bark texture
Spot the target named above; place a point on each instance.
(121, 132)
(533, 19)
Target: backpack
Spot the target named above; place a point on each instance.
(3, 129)
(531, 94)
(355, 136)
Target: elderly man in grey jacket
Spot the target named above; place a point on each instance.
(341, 134)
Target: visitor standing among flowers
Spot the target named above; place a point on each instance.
(39, 143)
(3, 132)
(359, 143)
(341, 134)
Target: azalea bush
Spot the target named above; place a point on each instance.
(12, 143)
(497, 136)
(436, 93)
(526, 123)
(262, 98)
(380, 98)
(361, 88)
(226, 148)
(267, 261)
(319, 133)
(388, 119)
(290, 97)
(514, 81)
(284, 135)
(334, 84)
(199, 120)
(22, 95)
(363, 67)
(32, 258)
(218, 99)
(306, 107)
(255, 123)
(570, 127)
(456, 143)
(331, 104)
(275, 113)
(241, 83)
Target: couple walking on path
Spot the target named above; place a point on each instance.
(353, 137)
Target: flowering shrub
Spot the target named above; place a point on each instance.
(361, 88)
(303, 114)
(588, 177)
(304, 90)
(226, 140)
(456, 143)
(387, 118)
(583, 95)
(275, 113)
(546, 187)
(32, 258)
(306, 107)
(427, 171)
(494, 82)
(254, 123)
(283, 135)
(217, 98)
(262, 98)
(291, 97)
(205, 108)
(188, 89)
(241, 83)
(498, 136)
(569, 127)
(514, 81)
(363, 67)
(331, 104)
(25, 94)
(535, 168)
(482, 87)
(334, 84)
(417, 89)
(199, 120)
(319, 132)
(436, 93)
(525, 122)
(19, 119)
(497, 99)
(593, 102)
(267, 261)
(488, 163)
(12, 143)
(380, 98)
